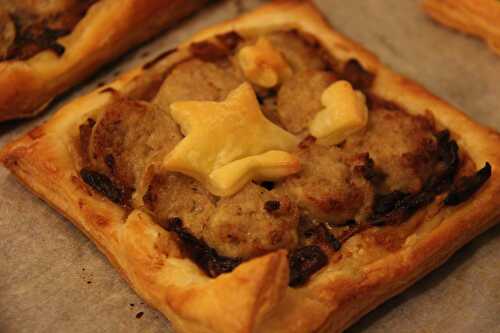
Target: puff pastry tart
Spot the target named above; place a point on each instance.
(480, 18)
(48, 46)
(267, 175)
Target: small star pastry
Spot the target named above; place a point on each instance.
(230, 143)
(345, 113)
(262, 64)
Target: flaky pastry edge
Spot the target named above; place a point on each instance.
(474, 17)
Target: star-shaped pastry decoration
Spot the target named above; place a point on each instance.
(262, 64)
(345, 113)
(229, 143)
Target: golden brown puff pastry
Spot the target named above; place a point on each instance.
(476, 17)
(370, 265)
(46, 47)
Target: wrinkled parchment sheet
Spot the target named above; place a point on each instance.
(53, 279)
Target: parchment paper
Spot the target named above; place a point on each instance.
(52, 279)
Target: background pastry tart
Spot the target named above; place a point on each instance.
(47, 47)
(475, 17)
(267, 175)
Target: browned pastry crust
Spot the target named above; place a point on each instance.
(476, 17)
(255, 297)
(108, 29)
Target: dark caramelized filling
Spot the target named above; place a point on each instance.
(304, 262)
(220, 48)
(375, 102)
(466, 186)
(432, 157)
(396, 207)
(370, 172)
(197, 250)
(272, 205)
(229, 40)
(103, 185)
(208, 51)
(359, 77)
(448, 164)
